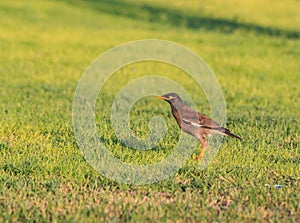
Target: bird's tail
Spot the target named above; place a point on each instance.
(227, 132)
(223, 131)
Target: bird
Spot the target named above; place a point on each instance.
(193, 122)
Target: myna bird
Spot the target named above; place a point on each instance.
(193, 122)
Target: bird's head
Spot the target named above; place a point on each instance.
(170, 97)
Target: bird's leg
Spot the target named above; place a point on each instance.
(204, 144)
(201, 153)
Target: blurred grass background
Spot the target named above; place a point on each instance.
(253, 48)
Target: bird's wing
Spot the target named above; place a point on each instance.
(192, 117)
(202, 121)
(211, 124)
(207, 122)
(196, 124)
(199, 120)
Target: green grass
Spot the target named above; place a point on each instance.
(45, 46)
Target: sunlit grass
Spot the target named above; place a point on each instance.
(45, 46)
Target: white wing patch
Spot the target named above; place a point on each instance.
(192, 123)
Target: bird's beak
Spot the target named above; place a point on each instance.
(162, 98)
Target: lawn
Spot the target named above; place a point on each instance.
(253, 49)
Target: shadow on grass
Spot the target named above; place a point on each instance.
(174, 17)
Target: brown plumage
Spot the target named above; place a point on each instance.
(193, 122)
